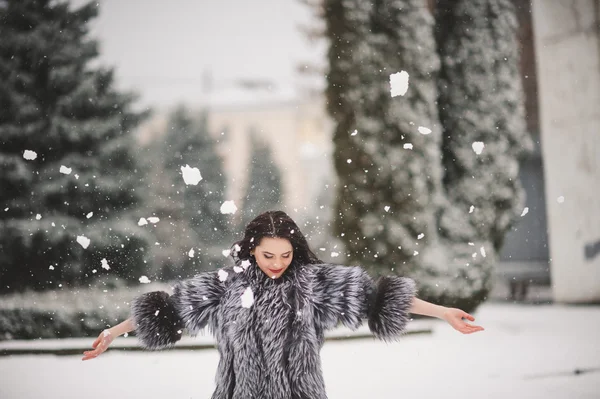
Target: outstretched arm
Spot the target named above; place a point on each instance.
(159, 318)
(454, 317)
(106, 337)
(348, 295)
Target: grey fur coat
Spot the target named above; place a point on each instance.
(270, 350)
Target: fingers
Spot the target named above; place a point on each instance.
(468, 316)
(95, 353)
(470, 329)
(87, 355)
(100, 345)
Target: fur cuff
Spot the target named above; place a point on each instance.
(157, 324)
(390, 306)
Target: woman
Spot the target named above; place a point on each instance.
(269, 312)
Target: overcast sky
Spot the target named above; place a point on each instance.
(162, 49)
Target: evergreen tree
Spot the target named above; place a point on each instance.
(387, 191)
(481, 100)
(427, 232)
(189, 143)
(192, 212)
(263, 188)
(54, 104)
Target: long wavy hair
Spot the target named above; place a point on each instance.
(273, 224)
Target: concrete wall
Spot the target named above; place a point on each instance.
(567, 40)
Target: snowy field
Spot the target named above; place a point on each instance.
(526, 352)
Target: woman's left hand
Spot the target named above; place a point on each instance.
(455, 317)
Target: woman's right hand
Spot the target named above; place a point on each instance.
(100, 345)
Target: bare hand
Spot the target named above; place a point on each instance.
(455, 317)
(100, 345)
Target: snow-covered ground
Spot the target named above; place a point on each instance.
(526, 351)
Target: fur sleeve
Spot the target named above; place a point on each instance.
(348, 295)
(159, 318)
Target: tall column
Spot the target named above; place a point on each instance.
(567, 40)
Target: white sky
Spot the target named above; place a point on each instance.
(162, 49)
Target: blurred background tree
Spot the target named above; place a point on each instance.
(263, 187)
(54, 104)
(190, 214)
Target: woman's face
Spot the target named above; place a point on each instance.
(273, 256)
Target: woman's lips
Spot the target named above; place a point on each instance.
(276, 271)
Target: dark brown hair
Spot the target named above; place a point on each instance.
(273, 224)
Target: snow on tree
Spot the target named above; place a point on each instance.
(402, 206)
(481, 106)
(481, 100)
(387, 192)
(263, 187)
(54, 104)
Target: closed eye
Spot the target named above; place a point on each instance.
(270, 256)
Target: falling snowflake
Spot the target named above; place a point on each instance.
(247, 298)
(51, 267)
(144, 280)
(226, 252)
(191, 253)
(386, 208)
(191, 175)
(89, 215)
(83, 241)
(408, 146)
(525, 211)
(29, 155)
(399, 83)
(65, 170)
(415, 253)
(38, 216)
(335, 254)
(482, 250)
(222, 275)
(228, 207)
(561, 199)
(245, 264)
(424, 130)
(142, 222)
(348, 160)
(471, 209)
(354, 133)
(153, 219)
(478, 147)
(104, 264)
(420, 236)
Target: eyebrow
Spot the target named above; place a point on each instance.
(269, 253)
